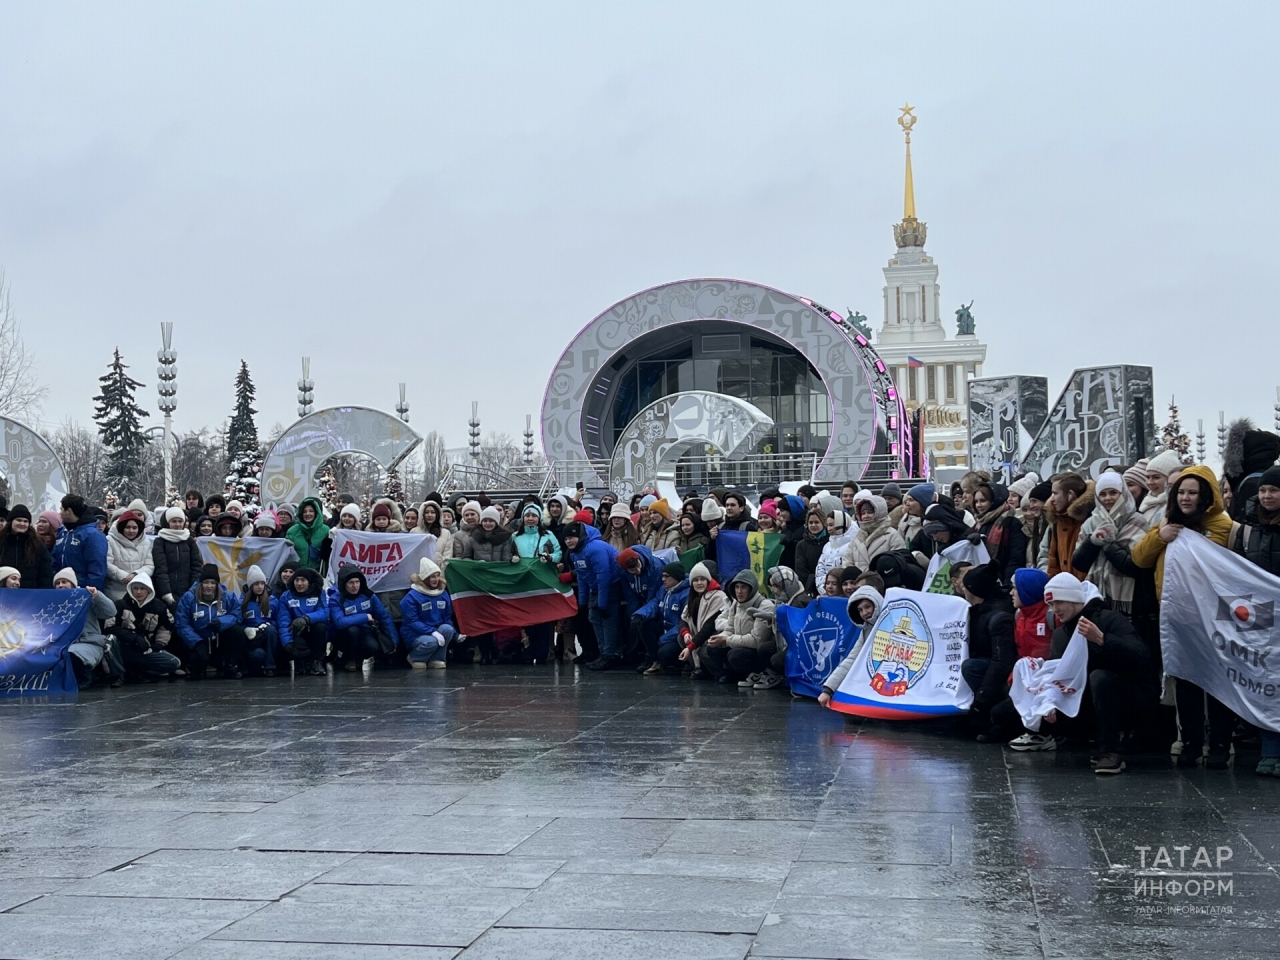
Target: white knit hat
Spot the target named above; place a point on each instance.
(619, 510)
(1110, 481)
(1024, 485)
(711, 511)
(700, 570)
(175, 513)
(1164, 463)
(1064, 587)
(351, 510)
(472, 505)
(490, 513)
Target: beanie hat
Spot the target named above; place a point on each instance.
(488, 513)
(923, 494)
(700, 570)
(647, 500)
(7, 572)
(619, 510)
(576, 529)
(585, 515)
(1042, 491)
(674, 570)
(1270, 477)
(840, 521)
(891, 489)
(1164, 463)
(483, 500)
(769, 509)
(237, 505)
(712, 512)
(266, 519)
(1137, 474)
(223, 520)
(849, 574)
(20, 512)
(1065, 587)
(209, 572)
(66, 573)
(627, 557)
(255, 575)
(427, 568)
(54, 518)
(661, 507)
(983, 582)
(533, 508)
(472, 505)
(174, 513)
(1024, 485)
(383, 510)
(1030, 582)
(353, 510)
(1109, 481)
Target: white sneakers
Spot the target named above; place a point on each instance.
(1033, 741)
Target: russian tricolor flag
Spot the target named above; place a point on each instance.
(913, 362)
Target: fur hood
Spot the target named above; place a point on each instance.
(1249, 450)
(397, 516)
(1081, 507)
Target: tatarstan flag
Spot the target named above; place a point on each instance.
(738, 550)
(495, 596)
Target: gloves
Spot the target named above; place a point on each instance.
(759, 613)
(250, 632)
(566, 577)
(975, 538)
(637, 622)
(1102, 535)
(298, 624)
(168, 599)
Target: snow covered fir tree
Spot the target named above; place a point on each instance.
(244, 455)
(119, 420)
(1173, 437)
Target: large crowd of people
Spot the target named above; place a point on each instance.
(1066, 552)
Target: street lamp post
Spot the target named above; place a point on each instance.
(167, 388)
(306, 389)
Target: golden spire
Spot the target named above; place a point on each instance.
(910, 232)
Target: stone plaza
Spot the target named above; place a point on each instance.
(542, 813)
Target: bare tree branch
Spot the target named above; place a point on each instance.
(21, 394)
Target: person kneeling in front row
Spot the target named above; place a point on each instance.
(426, 618)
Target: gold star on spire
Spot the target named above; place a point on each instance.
(909, 233)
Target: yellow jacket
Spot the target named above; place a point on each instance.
(1149, 551)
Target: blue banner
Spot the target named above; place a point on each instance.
(36, 628)
(818, 637)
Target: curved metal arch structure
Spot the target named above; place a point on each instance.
(584, 367)
(650, 445)
(34, 473)
(289, 471)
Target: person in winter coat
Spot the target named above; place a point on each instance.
(1035, 525)
(176, 557)
(658, 528)
(640, 576)
(89, 651)
(595, 563)
(309, 532)
(1000, 529)
(285, 514)
(698, 619)
(429, 521)
(743, 643)
(49, 528)
(1069, 507)
(490, 541)
(864, 610)
(360, 627)
(82, 546)
(1258, 541)
(661, 619)
(1135, 478)
(385, 517)
(791, 511)
(469, 523)
(919, 499)
(1115, 520)
(875, 534)
(840, 532)
(737, 513)
(143, 630)
(265, 525)
(1031, 631)
(22, 549)
(1195, 503)
(426, 618)
(226, 525)
(128, 554)
(992, 649)
(259, 613)
(532, 542)
(619, 532)
(809, 550)
(208, 622)
(1154, 503)
(303, 622)
(1248, 453)
(693, 533)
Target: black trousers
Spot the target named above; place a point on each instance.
(539, 642)
(357, 643)
(645, 636)
(669, 653)
(1191, 713)
(308, 640)
(738, 663)
(586, 635)
(225, 649)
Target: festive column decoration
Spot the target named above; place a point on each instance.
(1172, 437)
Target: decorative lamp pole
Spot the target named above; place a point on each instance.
(167, 388)
(1222, 434)
(528, 440)
(474, 425)
(1199, 441)
(306, 389)
(1277, 408)
(402, 407)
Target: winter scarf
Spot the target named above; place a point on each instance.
(1123, 525)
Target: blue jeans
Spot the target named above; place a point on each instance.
(1270, 745)
(261, 650)
(605, 624)
(426, 648)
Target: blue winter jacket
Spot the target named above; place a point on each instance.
(668, 605)
(347, 611)
(423, 613)
(251, 612)
(83, 548)
(295, 605)
(643, 586)
(596, 563)
(197, 621)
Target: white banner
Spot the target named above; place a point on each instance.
(909, 668)
(235, 555)
(937, 578)
(387, 560)
(1218, 627)
(1040, 686)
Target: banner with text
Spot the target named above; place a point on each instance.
(818, 637)
(937, 578)
(1040, 686)
(387, 560)
(36, 628)
(909, 668)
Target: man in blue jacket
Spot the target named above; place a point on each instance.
(362, 628)
(661, 620)
(594, 563)
(206, 620)
(81, 545)
(641, 578)
(304, 621)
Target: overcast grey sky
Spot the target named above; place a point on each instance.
(445, 195)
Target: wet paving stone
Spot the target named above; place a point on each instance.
(550, 813)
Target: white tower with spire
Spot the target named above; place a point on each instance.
(930, 369)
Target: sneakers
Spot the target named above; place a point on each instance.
(435, 664)
(768, 681)
(1031, 742)
(1219, 758)
(1189, 758)
(606, 663)
(654, 669)
(317, 669)
(1109, 763)
(751, 681)
(1268, 767)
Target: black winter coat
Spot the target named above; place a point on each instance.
(991, 637)
(1258, 541)
(13, 553)
(808, 551)
(177, 566)
(1121, 651)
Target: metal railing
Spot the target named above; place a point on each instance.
(467, 476)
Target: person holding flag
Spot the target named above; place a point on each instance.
(1259, 542)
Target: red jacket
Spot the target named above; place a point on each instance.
(1031, 631)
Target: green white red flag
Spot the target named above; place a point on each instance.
(495, 596)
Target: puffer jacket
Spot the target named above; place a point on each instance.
(144, 626)
(423, 610)
(1259, 538)
(836, 677)
(874, 537)
(83, 548)
(1150, 550)
(348, 611)
(37, 573)
(312, 605)
(595, 563)
(701, 624)
(177, 563)
(736, 621)
(640, 588)
(492, 547)
(125, 556)
(991, 637)
(529, 543)
(808, 553)
(198, 620)
(667, 607)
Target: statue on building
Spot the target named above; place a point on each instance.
(859, 321)
(964, 321)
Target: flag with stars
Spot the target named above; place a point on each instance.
(36, 628)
